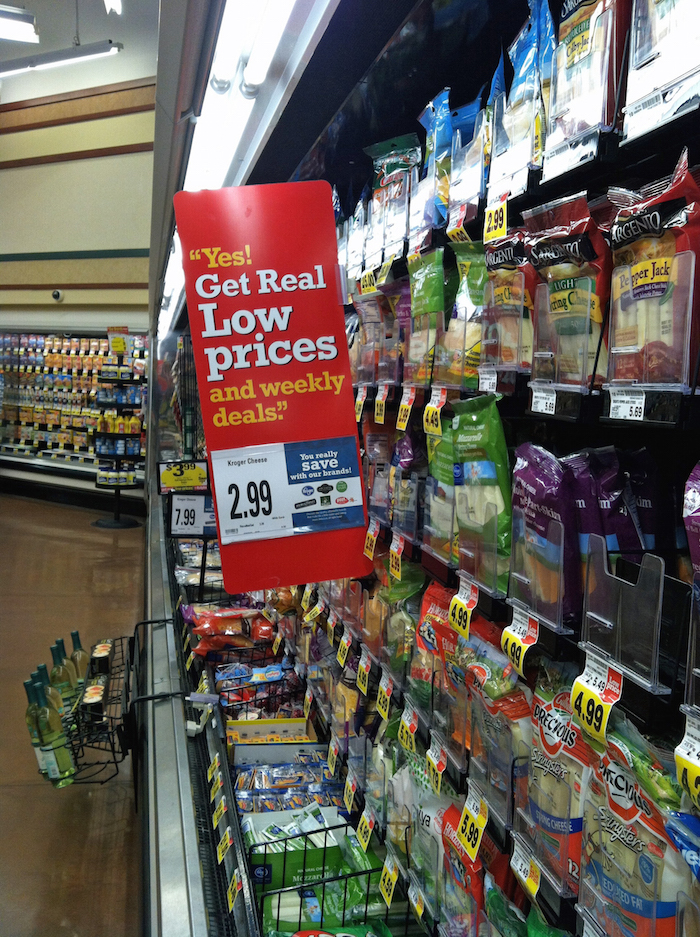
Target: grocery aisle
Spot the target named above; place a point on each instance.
(70, 858)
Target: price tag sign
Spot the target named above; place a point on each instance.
(385, 270)
(308, 700)
(276, 643)
(432, 425)
(526, 870)
(192, 516)
(215, 763)
(496, 221)
(395, 551)
(488, 380)
(182, 476)
(306, 597)
(407, 729)
(380, 403)
(360, 402)
(519, 637)
(365, 827)
(544, 400)
(349, 792)
(224, 845)
(472, 824)
(462, 606)
(386, 688)
(407, 400)
(436, 761)
(333, 749)
(388, 879)
(270, 615)
(331, 623)
(368, 283)
(627, 404)
(344, 647)
(189, 661)
(687, 756)
(371, 538)
(313, 613)
(363, 669)
(416, 900)
(219, 812)
(217, 784)
(593, 695)
(232, 891)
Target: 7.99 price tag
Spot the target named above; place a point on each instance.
(516, 640)
(496, 221)
(380, 403)
(462, 606)
(395, 552)
(432, 425)
(472, 824)
(407, 400)
(593, 695)
(371, 538)
(687, 756)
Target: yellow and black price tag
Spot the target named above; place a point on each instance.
(472, 824)
(308, 699)
(368, 283)
(407, 400)
(215, 763)
(344, 647)
(462, 606)
(496, 221)
(386, 687)
(333, 749)
(687, 756)
(371, 538)
(224, 845)
(365, 827)
(593, 695)
(388, 879)
(360, 402)
(232, 891)
(349, 792)
(395, 552)
(276, 643)
(216, 786)
(219, 812)
(363, 669)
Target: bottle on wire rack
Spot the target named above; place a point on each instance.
(69, 665)
(60, 676)
(80, 657)
(53, 697)
(30, 718)
(54, 744)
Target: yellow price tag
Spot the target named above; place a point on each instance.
(306, 597)
(384, 270)
(687, 756)
(333, 749)
(365, 827)
(189, 661)
(363, 669)
(416, 901)
(276, 643)
(349, 792)
(407, 400)
(388, 879)
(496, 221)
(526, 869)
(519, 637)
(219, 812)
(395, 551)
(368, 284)
(313, 614)
(386, 688)
(216, 787)
(360, 402)
(432, 425)
(593, 695)
(232, 891)
(455, 224)
(269, 614)
(407, 729)
(344, 647)
(436, 762)
(224, 845)
(330, 624)
(371, 538)
(183, 476)
(215, 762)
(380, 403)
(472, 824)
(462, 606)
(186, 643)
(308, 699)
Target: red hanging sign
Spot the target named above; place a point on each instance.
(261, 274)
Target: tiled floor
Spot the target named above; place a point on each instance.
(69, 859)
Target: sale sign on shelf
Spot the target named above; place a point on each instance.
(273, 371)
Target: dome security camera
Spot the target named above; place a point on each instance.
(57, 295)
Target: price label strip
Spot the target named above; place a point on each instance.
(365, 827)
(544, 400)
(386, 688)
(395, 552)
(488, 380)
(380, 403)
(432, 426)
(182, 476)
(687, 756)
(360, 402)
(371, 538)
(407, 729)
(627, 404)
(219, 812)
(472, 824)
(224, 845)
(363, 669)
(593, 695)
(192, 516)
(496, 221)
(232, 891)
(333, 749)
(344, 647)
(416, 901)
(462, 606)
(308, 700)
(388, 880)
(526, 870)
(517, 639)
(349, 792)
(407, 400)
(436, 761)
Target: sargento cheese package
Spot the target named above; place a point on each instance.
(560, 764)
(509, 301)
(631, 871)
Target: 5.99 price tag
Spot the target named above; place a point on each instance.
(593, 695)
(395, 552)
(380, 403)
(522, 633)
(432, 425)
(472, 824)
(407, 400)
(687, 756)
(371, 538)
(462, 606)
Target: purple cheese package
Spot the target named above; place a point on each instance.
(691, 516)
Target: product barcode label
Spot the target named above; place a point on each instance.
(544, 400)
(627, 404)
(488, 380)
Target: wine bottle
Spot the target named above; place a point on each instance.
(52, 695)
(30, 718)
(80, 657)
(54, 744)
(60, 677)
(68, 663)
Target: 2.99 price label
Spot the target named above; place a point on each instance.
(593, 695)
(496, 221)
(386, 688)
(516, 640)
(407, 400)
(432, 425)
(371, 538)
(462, 606)
(472, 824)
(380, 403)
(395, 552)
(687, 756)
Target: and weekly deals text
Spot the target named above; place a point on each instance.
(274, 382)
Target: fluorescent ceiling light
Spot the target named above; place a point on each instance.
(93, 50)
(272, 24)
(17, 24)
(114, 6)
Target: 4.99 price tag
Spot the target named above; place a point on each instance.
(462, 606)
(407, 400)
(432, 425)
(395, 552)
(687, 756)
(472, 824)
(516, 640)
(593, 695)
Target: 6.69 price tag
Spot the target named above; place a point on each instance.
(462, 606)
(472, 824)
(593, 695)
(519, 637)
(407, 400)
(687, 756)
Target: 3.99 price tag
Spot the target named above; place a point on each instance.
(516, 640)
(687, 756)
(365, 827)
(407, 729)
(436, 762)
(627, 404)
(472, 824)
(388, 879)
(380, 403)
(593, 695)
(182, 476)
(395, 552)
(360, 402)
(432, 425)
(371, 538)
(407, 400)
(496, 221)
(344, 647)
(462, 606)
(386, 688)
(363, 669)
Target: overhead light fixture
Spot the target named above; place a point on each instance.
(114, 6)
(93, 50)
(272, 24)
(17, 24)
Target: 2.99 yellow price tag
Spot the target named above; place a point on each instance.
(395, 552)
(593, 695)
(344, 647)
(363, 669)
(436, 762)
(472, 824)
(496, 221)
(365, 827)
(462, 606)
(371, 538)
(386, 688)
(224, 845)
(520, 635)
(360, 402)
(380, 403)
(407, 729)
(407, 400)
(432, 426)
(388, 879)
(688, 759)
